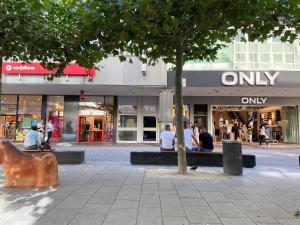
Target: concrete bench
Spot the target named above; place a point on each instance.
(65, 157)
(210, 159)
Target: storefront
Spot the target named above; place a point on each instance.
(137, 119)
(218, 99)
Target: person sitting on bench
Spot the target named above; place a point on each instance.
(32, 139)
(206, 141)
(167, 139)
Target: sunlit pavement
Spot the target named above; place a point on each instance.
(108, 190)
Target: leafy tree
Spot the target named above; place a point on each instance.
(181, 30)
(52, 32)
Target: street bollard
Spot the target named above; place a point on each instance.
(232, 158)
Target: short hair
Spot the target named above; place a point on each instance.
(34, 128)
(203, 129)
(167, 127)
(185, 124)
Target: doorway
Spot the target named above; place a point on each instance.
(8, 127)
(90, 129)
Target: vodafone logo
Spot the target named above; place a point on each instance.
(8, 68)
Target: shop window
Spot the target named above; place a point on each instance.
(128, 121)
(94, 107)
(149, 121)
(8, 104)
(125, 135)
(30, 104)
(149, 136)
(55, 112)
(29, 114)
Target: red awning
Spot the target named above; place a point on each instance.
(37, 69)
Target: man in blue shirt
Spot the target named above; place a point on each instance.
(32, 140)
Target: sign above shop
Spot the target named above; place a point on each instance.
(254, 100)
(37, 69)
(150, 108)
(250, 78)
(127, 109)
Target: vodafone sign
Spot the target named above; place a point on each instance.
(36, 68)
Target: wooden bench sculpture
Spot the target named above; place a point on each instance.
(28, 170)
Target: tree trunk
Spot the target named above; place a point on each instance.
(179, 112)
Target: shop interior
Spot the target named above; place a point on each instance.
(280, 122)
(91, 128)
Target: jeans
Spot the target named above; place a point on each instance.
(166, 149)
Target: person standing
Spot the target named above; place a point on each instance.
(49, 129)
(235, 130)
(250, 132)
(40, 125)
(167, 139)
(263, 138)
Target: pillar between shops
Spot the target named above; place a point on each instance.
(298, 121)
(166, 108)
(210, 120)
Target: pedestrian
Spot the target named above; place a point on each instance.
(167, 139)
(40, 125)
(235, 130)
(188, 137)
(250, 132)
(32, 139)
(49, 129)
(263, 138)
(206, 141)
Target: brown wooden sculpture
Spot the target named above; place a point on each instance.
(26, 170)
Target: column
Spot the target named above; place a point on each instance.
(209, 120)
(165, 115)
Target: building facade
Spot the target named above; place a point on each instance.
(126, 103)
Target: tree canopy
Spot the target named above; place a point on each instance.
(181, 30)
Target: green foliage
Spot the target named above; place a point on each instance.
(52, 32)
(154, 29)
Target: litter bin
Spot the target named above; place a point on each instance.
(232, 158)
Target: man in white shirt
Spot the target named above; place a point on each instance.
(167, 139)
(188, 137)
(32, 140)
(49, 129)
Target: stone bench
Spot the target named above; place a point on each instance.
(210, 159)
(65, 157)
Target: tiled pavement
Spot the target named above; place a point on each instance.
(116, 193)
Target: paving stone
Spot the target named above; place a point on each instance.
(121, 217)
(214, 197)
(58, 216)
(95, 208)
(175, 220)
(237, 221)
(125, 204)
(87, 218)
(149, 216)
(201, 215)
(74, 201)
(289, 221)
(226, 210)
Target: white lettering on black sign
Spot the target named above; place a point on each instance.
(253, 100)
(252, 78)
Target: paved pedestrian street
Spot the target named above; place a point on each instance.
(107, 190)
